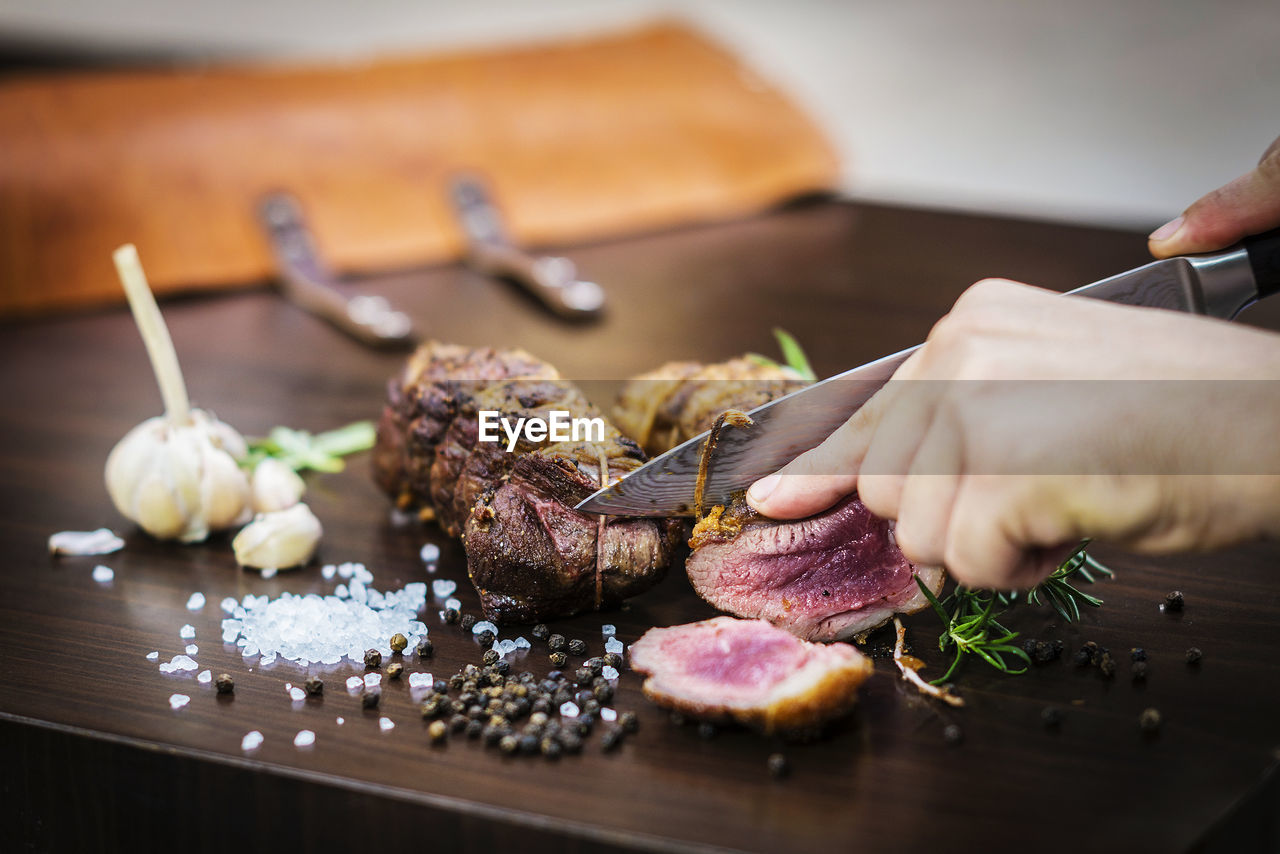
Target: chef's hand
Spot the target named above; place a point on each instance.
(995, 479)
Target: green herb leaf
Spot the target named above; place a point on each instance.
(794, 355)
(300, 450)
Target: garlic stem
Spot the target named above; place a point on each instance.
(155, 334)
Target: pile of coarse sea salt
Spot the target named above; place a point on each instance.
(323, 629)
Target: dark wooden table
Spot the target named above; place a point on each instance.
(94, 758)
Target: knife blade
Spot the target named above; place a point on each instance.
(1219, 285)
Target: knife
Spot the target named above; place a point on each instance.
(1218, 285)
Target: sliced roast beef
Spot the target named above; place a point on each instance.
(831, 576)
(750, 672)
(529, 553)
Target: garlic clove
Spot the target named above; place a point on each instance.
(278, 540)
(224, 489)
(275, 486)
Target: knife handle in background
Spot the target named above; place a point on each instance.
(1264, 258)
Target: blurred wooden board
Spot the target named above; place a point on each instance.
(94, 757)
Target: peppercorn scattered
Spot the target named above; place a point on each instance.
(1149, 720)
(224, 683)
(372, 658)
(467, 622)
(508, 743)
(778, 766)
(611, 740)
(1174, 601)
(629, 721)
(437, 731)
(613, 660)
(394, 669)
(490, 656)
(314, 686)
(1107, 665)
(952, 734)
(1194, 655)
(577, 647)
(540, 631)
(1051, 717)
(474, 728)
(486, 638)
(1138, 654)
(452, 616)
(370, 697)
(1042, 652)
(426, 648)
(555, 643)
(398, 642)
(557, 659)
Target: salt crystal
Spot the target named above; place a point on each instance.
(100, 542)
(443, 587)
(154, 655)
(608, 714)
(187, 632)
(340, 721)
(609, 672)
(250, 650)
(177, 701)
(196, 602)
(569, 710)
(372, 680)
(103, 574)
(346, 570)
(608, 630)
(229, 605)
(430, 553)
(297, 694)
(204, 677)
(328, 571)
(269, 572)
(179, 664)
(614, 645)
(267, 660)
(385, 724)
(420, 680)
(252, 741)
(341, 591)
(362, 573)
(506, 646)
(192, 649)
(354, 684)
(482, 627)
(304, 738)
(455, 604)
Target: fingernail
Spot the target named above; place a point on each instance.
(1164, 232)
(764, 487)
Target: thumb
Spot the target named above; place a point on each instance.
(1248, 205)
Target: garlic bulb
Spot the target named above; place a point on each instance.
(176, 475)
(278, 540)
(179, 482)
(275, 486)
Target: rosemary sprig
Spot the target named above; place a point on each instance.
(300, 450)
(792, 353)
(970, 616)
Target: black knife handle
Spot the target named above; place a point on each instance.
(1264, 258)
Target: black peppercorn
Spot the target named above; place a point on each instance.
(571, 742)
(452, 615)
(474, 728)
(1138, 654)
(457, 707)
(490, 656)
(591, 706)
(440, 686)
(611, 740)
(557, 659)
(314, 686)
(629, 721)
(1174, 601)
(1051, 717)
(503, 667)
(1107, 665)
(952, 734)
(492, 734)
(455, 682)
(467, 622)
(550, 748)
(486, 638)
(603, 693)
(1149, 720)
(437, 730)
(577, 647)
(582, 675)
(706, 731)
(540, 631)
(1139, 671)
(433, 707)
(1194, 655)
(613, 660)
(1082, 658)
(528, 744)
(394, 669)
(426, 648)
(372, 658)
(508, 744)
(224, 683)
(398, 642)
(555, 643)
(458, 723)
(541, 704)
(778, 766)
(370, 697)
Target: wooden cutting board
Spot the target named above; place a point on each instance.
(580, 140)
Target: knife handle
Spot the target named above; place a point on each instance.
(1264, 258)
